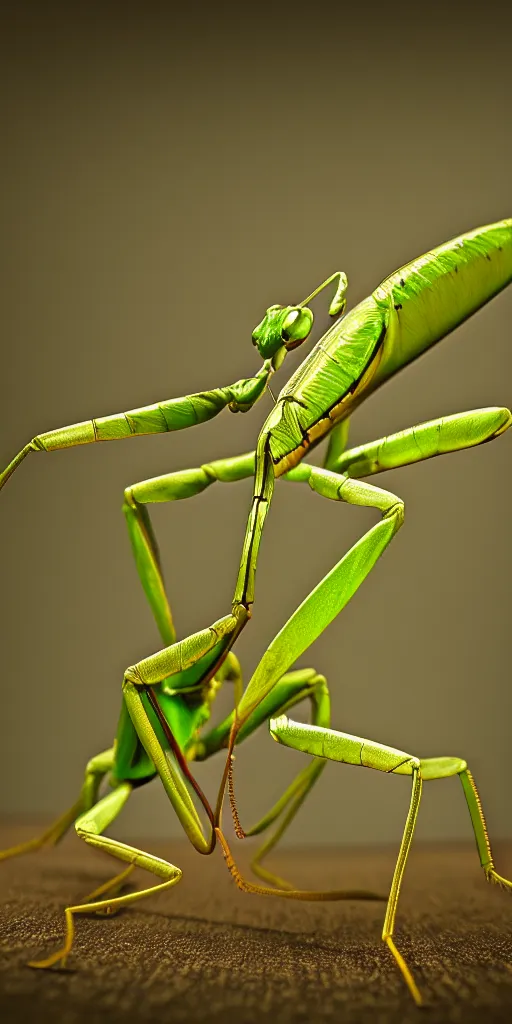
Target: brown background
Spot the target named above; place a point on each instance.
(165, 179)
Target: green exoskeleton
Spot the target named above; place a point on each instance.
(167, 696)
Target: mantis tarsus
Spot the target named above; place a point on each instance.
(167, 697)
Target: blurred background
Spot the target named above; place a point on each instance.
(165, 177)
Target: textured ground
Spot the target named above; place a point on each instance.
(206, 952)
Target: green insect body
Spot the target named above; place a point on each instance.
(167, 697)
(410, 311)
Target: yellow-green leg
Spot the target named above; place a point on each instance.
(285, 809)
(336, 445)
(304, 895)
(89, 827)
(96, 769)
(389, 920)
(147, 673)
(290, 803)
(480, 829)
(113, 886)
(338, 746)
(293, 688)
(170, 487)
(184, 484)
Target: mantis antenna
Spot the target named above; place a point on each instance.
(339, 300)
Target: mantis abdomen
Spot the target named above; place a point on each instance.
(435, 293)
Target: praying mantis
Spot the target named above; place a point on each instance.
(167, 697)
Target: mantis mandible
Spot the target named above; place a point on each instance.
(167, 697)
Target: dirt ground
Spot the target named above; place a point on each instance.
(206, 952)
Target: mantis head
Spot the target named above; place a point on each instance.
(285, 327)
(282, 328)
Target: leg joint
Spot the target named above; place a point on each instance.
(100, 764)
(209, 470)
(129, 497)
(133, 676)
(396, 511)
(319, 683)
(85, 827)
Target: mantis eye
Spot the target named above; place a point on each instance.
(290, 320)
(296, 326)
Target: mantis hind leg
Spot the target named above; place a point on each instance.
(441, 767)
(438, 768)
(96, 769)
(89, 827)
(480, 829)
(355, 750)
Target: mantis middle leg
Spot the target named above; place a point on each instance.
(170, 487)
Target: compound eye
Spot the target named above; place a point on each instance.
(291, 319)
(296, 325)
